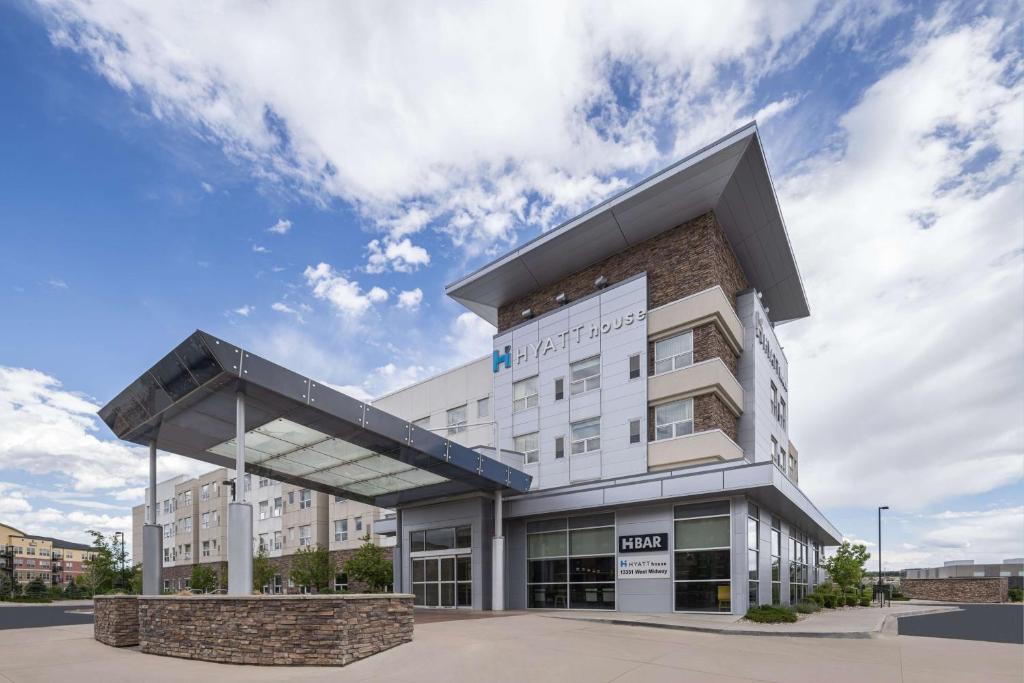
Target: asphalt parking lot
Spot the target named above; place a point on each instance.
(36, 616)
(990, 623)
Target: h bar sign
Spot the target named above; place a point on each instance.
(643, 543)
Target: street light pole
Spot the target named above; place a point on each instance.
(880, 593)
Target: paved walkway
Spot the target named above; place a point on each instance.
(535, 648)
(856, 622)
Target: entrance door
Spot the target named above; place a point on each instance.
(444, 581)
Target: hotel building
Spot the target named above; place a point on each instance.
(24, 557)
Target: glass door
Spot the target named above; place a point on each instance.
(443, 581)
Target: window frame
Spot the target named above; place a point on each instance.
(674, 426)
(526, 452)
(527, 400)
(587, 447)
(457, 426)
(587, 383)
(673, 361)
(635, 372)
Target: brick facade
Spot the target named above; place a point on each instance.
(682, 261)
(116, 620)
(992, 589)
(709, 342)
(306, 630)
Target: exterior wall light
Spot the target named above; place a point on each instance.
(561, 299)
(601, 282)
(527, 314)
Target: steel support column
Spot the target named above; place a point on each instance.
(498, 556)
(152, 536)
(239, 515)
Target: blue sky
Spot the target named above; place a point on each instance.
(149, 152)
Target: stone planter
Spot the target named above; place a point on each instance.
(307, 630)
(966, 589)
(116, 620)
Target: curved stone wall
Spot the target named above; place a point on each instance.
(307, 630)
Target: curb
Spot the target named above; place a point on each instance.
(731, 632)
(891, 625)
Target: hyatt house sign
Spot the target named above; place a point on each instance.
(560, 342)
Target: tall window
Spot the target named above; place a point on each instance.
(204, 520)
(204, 492)
(442, 581)
(702, 557)
(673, 353)
(775, 452)
(278, 506)
(483, 407)
(673, 419)
(524, 394)
(797, 565)
(782, 412)
(586, 436)
(278, 540)
(264, 542)
(559, 447)
(571, 562)
(305, 536)
(634, 366)
(341, 530)
(305, 499)
(206, 548)
(264, 509)
(634, 431)
(457, 420)
(753, 532)
(528, 446)
(775, 401)
(585, 376)
(776, 561)
(559, 389)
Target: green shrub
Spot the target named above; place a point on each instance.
(831, 600)
(808, 607)
(817, 598)
(1017, 595)
(851, 599)
(30, 598)
(771, 614)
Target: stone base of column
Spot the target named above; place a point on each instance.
(239, 549)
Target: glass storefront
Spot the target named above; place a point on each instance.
(571, 563)
(702, 558)
(442, 567)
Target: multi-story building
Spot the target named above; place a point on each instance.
(193, 514)
(55, 561)
(637, 371)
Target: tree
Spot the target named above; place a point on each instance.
(203, 578)
(101, 568)
(846, 566)
(369, 566)
(312, 568)
(262, 572)
(36, 588)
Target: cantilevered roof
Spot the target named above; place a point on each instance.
(729, 176)
(298, 430)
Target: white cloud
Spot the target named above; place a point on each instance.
(911, 248)
(410, 299)
(207, 187)
(260, 249)
(402, 256)
(47, 430)
(57, 283)
(282, 307)
(476, 162)
(471, 337)
(281, 227)
(344, 294)
(244, 311)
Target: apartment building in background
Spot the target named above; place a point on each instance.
(286, 518)
(53, 560)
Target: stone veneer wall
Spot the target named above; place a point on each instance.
(991, 589)
(307, 630)
(682, 261)
(116, 620)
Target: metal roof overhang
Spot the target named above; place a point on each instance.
(186, 403)
(729, 177)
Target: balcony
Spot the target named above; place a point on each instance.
(708, 376)
(701, 448)
(711, 305)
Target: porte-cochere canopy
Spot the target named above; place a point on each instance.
(298, 430)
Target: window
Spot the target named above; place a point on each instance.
(443, 581)
(797, 565)
(782, 412)
(215, 518)
(457, 420)
(422, 423)
(634, 366)
(775, 401)
(483, 407)
(341, 530)
(278, 506)
(524, 394)
(571, 563)
(264, 542)
(702, 558)
(358, 523)
(527, 445)
(673, 353)
(339, 499)
(188, 523)
(204, 520)
(278, 541)
(305, 537)
(305, 499)
(187, 551)
(792, 463)
(775, 451)
(188, 497)
(206, 548)
(585, 376)
(447, 538)
(753, 523)
(559, 389)
(673, 419)
(167, 554)
(291, 497)
(559, 446)
(340, 583)
(204, 492)
(167, 506)
(776, 540)
(782, 459)
(586, 436)
(264, 509)
(634, 431)
(167, 582)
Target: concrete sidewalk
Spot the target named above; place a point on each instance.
(854, 622)
(538, 649)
